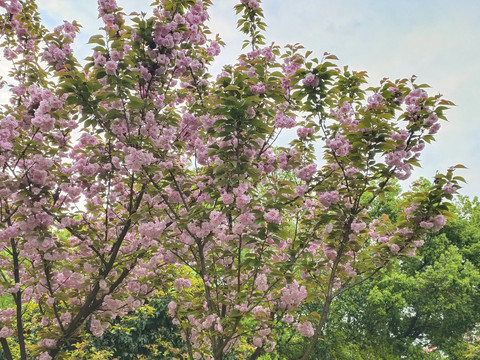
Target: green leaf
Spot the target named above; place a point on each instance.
(232, 87)
(135, 102)
(95, 39)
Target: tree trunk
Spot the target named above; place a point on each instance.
(6, 349)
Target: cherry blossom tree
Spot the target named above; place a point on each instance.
(139, 171)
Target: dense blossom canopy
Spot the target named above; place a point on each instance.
(140, 172)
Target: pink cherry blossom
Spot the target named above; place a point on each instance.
(340, 145)
(6, 332)
(273, 216)
(305, 329)
(111, 67)
(394, 248)
(258, 88)
(284, 121)
(261, 282)
(328, 198)
(292, 295)
(311, 80)
(306, 172)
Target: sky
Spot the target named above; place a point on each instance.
(436, 40)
